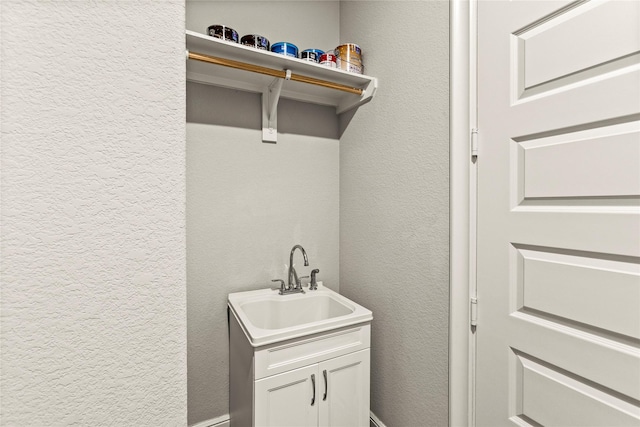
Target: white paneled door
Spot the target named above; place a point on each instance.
(558, 267)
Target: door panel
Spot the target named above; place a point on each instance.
(548, 392)
(607, 290)
(347, 391)
(284, 400)
(550, 50)
(601, 162)
(558, 274)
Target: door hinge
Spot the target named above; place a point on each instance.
(473, 306)
(474, 143)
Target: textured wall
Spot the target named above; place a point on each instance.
(394, 211)
(249, 202)
(92, 215)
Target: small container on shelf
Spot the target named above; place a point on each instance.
(285, 48)
(311, 55)
(223, 32)
(328, 59)
(256, 41)
(349, 58)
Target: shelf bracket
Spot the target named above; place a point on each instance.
(366, 96)
(270, 99)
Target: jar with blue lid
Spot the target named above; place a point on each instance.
(285, 48)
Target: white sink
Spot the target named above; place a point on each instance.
(267, 317)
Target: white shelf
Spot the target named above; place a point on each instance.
(219, 75)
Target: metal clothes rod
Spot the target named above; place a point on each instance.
(272, 72)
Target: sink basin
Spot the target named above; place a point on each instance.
(267, 317)
(279, 313)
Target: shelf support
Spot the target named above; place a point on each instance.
(366, 96)
(270, 98)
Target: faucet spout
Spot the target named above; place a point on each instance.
(294, 282)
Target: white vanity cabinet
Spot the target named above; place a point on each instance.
(334, 392)
(314, 380)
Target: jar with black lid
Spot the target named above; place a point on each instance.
(255, 40)
(223, 32)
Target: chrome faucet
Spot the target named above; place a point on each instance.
(294, 281)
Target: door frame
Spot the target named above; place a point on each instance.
(462, 208)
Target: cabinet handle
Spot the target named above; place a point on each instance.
(325, 385)
(313, 386)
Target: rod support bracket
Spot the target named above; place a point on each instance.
(270, 99)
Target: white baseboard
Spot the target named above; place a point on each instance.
(222, 421)
(374, 421)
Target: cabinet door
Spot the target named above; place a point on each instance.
(289, 399)
(344, 391)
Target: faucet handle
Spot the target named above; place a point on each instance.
(299, 284)
(282, 287)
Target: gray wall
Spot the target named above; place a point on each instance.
(93, 327)
(394, 211)
(249, 202)
(384, 183)
(305, 23)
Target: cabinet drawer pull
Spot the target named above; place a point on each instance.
(313, 386)
(325, 384)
